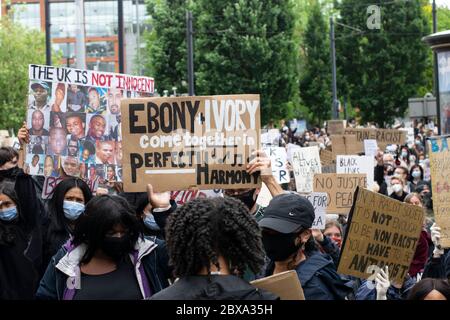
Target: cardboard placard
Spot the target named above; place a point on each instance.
(183, 196)
(370, 147)
(278, 157)
(74, 120)
(336, 126)
(285, 285)
(382, 231)
(306, 163)
(345, 144)
(357, 165)
(440, 183)
(326, 157)
(319, 200)
(384, 137)
(179, 143)
(340, 189)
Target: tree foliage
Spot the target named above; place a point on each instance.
(380, 69)
(19, 47)
(165, 52)
(315, 83)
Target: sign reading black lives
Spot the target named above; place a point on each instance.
(181, 143)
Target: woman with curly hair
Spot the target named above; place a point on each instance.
(211, 242)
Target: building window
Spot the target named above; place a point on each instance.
(27, 14)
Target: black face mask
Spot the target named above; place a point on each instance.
(247, 198)
(117, 248)
(427, 200)
(280, 246)
(11, 173)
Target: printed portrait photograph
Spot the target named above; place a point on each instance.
(76, 98)
(59, 97)
(40, 94)
(38, 122)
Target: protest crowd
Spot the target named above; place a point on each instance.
(92, 240)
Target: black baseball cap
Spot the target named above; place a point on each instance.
(287, 213)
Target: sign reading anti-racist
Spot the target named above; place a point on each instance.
(340, 189)
(74, 122)
(278, 157)
(440, 182)
(184, 143)
(306, 163)
(384, 137)
(357, 165)
(382, 232)
(319, 202)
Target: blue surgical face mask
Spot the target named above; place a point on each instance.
(8, 214)
(72, 209)
(150, 223)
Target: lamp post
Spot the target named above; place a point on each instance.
(440, 44)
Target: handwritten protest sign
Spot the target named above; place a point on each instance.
(190, 142)
(50, 184)
(370, 147)
(356, 165)
(306, 163)
(340, 189)
(336, 126)
(319, 201)
(290, 150)
(384, 137)
(278, 159)
(440, 182)
(183, 196)
(382, 232)
(74, 121)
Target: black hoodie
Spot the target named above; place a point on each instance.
(214, 287)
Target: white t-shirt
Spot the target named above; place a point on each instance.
(34, 169)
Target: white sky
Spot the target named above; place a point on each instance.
(442, 3)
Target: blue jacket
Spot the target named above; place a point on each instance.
(150, 258)
(319, 279)
(367, 293)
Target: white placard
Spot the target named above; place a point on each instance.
(306, 163)
(278, 159)
(319, 202)
(357, 164)
(370, 147)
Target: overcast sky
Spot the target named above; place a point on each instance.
(442, 3)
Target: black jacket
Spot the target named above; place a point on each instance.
(215, 287)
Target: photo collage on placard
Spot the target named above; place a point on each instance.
(74, 128)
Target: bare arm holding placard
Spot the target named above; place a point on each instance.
(262, 164)
(24, 138)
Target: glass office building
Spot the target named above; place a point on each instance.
(101, 29)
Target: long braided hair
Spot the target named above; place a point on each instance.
(204, 229)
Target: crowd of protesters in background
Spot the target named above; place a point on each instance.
(84, 246)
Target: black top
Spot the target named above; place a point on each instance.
(401, 198)
(120, 284)
(214, 287)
